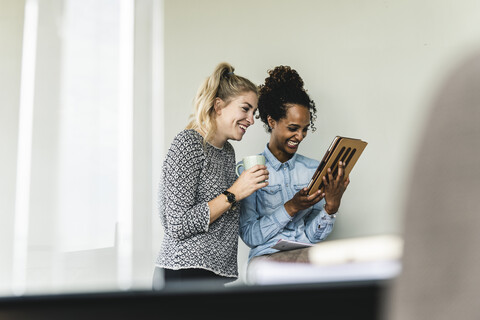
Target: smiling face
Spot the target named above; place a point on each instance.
(288, 132)
(234, 117)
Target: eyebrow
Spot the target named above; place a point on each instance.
(297, 125)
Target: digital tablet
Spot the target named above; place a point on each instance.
(344, 149)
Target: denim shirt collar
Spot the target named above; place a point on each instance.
(277, 164)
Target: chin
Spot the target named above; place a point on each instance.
(237, 138)
(290, 151)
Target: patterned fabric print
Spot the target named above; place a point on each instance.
(193, 175)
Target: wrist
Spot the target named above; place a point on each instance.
(230, 198)
(330, 209)
(234, 191)
(290, 208)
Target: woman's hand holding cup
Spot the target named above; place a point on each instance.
(254, 177)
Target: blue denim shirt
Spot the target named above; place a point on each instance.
(263, 218)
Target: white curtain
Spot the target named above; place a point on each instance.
(69, 224)
(87, 185)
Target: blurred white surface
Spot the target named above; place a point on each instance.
(268, 272)
(365, 258)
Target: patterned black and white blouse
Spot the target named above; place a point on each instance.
(192, 175)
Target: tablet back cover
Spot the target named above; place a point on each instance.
(344, 149)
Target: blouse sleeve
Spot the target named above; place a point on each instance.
(319, 224)
(256, 230)
(182, 214)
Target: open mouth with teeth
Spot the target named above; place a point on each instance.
(292, 144)
(243, 127)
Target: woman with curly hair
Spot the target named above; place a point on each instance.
(283, 209)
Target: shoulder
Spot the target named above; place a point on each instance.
(187, 143)
(188, 137)
(306, 162)
(229, 148)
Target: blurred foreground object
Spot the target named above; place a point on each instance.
(357, 250)
(441, 266)
(356, 259)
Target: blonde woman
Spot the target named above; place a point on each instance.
(199, 189)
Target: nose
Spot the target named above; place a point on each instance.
(250, 118)
(300, 135)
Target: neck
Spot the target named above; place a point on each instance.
(281, 155)
(215, 141)
(218, 139)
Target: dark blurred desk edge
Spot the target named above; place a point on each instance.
(339, 300)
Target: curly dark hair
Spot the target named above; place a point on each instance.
(282, 87)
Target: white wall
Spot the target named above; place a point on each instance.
(11, 27)
(370, 66)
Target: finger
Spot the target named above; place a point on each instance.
(313, 201)
(265, 175)
(330, 176)
(257, 167)
(341, 170)
(260, 176)
(258, 180)
(262, 167)
(315, 197)
(260, 185)
(303, 192)
(263, 172)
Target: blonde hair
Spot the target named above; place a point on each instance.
(224, 84)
